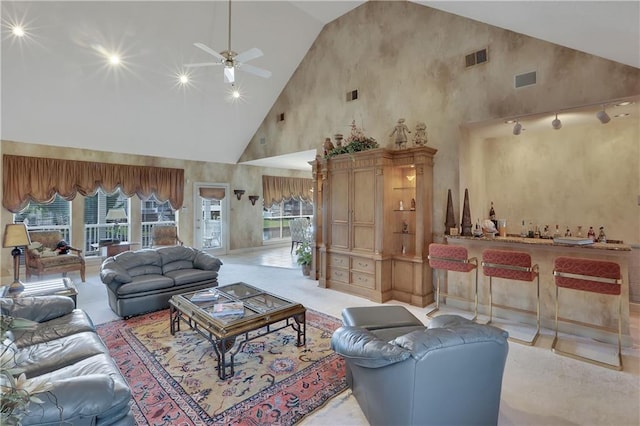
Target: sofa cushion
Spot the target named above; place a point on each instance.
(176, 266)
(365, 349)
(100, 364)
(112, 271)
(36, 308)
(190, 276)
(206, 261)
(144, 283)
(48, 356)
(421, 343)
(130, 260)
(145, 270)
(75, 322)
(176, 253)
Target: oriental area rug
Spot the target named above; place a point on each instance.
(174, 381)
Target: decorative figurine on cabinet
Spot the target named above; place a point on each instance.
(420, 137)
(327, 146)
(400, 131)
(338, 137)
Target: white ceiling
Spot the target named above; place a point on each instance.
(57, 89)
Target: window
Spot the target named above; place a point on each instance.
(52, 216)
(275, 222)
(96, 226)
(154, 212)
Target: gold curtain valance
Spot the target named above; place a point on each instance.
(40, 179)
(275, 189)
(212, 193)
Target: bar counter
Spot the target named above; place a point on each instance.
(575, 306)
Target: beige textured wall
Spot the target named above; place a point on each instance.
(245, 220)
(407, 60)
(578, 175)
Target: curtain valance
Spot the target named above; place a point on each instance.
(275, 189)
(40, 179)
(212, 193)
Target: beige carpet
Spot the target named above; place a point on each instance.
(539, 387)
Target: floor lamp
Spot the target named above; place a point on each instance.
(16, 236)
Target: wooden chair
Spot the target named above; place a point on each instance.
(594, 276)
(45, 260)
(299, 228)
(165, 235)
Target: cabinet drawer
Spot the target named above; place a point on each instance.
(338, 260)
(362, 264)
(340, 275)
(363, 280)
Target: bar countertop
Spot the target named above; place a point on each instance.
(542, 242)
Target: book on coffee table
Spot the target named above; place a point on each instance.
(205, 296)
(228, 309)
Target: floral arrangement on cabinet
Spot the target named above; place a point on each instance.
(356, 141)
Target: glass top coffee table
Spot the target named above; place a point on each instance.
(250, 313)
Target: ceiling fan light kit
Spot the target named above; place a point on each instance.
(232, 60)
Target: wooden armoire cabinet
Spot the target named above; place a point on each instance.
(372, 219)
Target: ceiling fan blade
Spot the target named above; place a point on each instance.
(209, 50)
(260, 72)
(249, 55)
(202, 64)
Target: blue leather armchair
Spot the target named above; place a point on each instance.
(448, 373)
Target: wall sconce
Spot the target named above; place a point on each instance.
(239, 193)
(253, 199)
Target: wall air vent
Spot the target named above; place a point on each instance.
(352, 95)
(526, 79)
(476, 58)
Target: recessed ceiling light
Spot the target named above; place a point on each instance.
(17, 31)
(621, 115)
(509, 121)
(114, 60)
(624, 103)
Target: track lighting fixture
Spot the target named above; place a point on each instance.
(603, 116)
(517, 128)
(556, 123)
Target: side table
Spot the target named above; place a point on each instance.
(54, 287)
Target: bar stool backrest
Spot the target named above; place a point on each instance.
(509, 264)
(606, 275)
(448, 257)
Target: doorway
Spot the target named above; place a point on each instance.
(211, 210)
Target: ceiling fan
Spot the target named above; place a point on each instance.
(232, 60)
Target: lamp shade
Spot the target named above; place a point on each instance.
(116, 214)
(16, 235)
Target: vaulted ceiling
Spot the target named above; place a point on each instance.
(58, 88)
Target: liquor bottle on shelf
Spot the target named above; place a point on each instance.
(602, 238)
(567, 233)
(591, 234)
(477, 231)
(546, 232)
(556, 233)
(579, 233)
(492, 216)
(523, 230)
(536, 234)
(530, 233)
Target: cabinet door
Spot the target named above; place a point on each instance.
(364, 204)
(339, 208)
